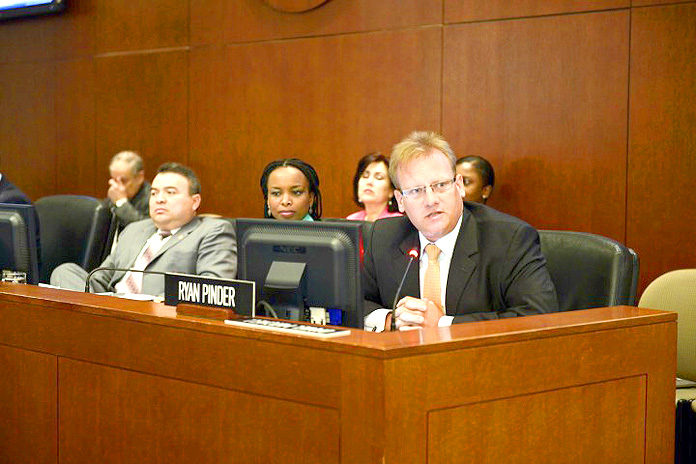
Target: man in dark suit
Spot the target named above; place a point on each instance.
(129, 192)
(475, 262)
(174, 239)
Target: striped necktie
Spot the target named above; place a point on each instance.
(134, 280)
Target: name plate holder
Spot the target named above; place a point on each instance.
(209, 297)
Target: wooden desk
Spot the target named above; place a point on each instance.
(88, 378)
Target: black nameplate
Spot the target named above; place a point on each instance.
(238, 295)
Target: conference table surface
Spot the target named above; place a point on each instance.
(606, 367)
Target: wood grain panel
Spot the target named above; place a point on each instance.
(460, 381)
(75, 30)
(484, 10)
(183, 422)
(612, 413)
(27, 40)
(27, 126)
(545, 99)
(141, 25)
(328, 101)
(28, 395)
(657, 2)
(142, 104)
(75, 130)
(662, 158)
(225, 21)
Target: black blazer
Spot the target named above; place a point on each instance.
(497, 268)
(9, 193)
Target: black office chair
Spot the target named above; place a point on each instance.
(590, 270)
(74, 229)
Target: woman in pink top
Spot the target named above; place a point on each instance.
(373, 190)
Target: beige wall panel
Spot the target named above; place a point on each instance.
(75, 130)
(27, 127)
(545, 100)
(328, 101)
(662, 157)
(225, 21)
(141, 24)
(203, 424)
(142, 104)
(483, 10)
(28, 395)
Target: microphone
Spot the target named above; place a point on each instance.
(413, 253)
(118, 269)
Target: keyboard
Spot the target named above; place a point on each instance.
(288, 327)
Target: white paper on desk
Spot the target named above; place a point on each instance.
(131, 296)
(53, 286)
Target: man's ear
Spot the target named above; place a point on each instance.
(459, 183)
(140, 177)
(399, 200)
(196, 201)
(486, 192)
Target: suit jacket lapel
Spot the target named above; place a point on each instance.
(178, 237)
(411, 287)
(462, 265)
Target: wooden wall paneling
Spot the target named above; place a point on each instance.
(75, 30)
(545, 99)
(602, 383)
(76, 168)
(28, 395)
(657, 2)
(613, 412)
(27, 39)
(485, 10)
(202, 423)
(328, 101)
(225, 21)
(662, 157)
(142, 104)
(27, 126)
(146, 24)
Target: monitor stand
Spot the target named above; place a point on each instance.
(286, 290)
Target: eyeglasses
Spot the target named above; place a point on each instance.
(416, 193)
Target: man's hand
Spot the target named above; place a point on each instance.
(117, 190)
(416, 312)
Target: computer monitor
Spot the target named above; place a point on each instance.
(19, 8)
(303, 263)
(18, 244)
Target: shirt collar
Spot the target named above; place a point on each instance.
(171, 232)
(446, 243)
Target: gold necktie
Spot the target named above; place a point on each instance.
(431, 285)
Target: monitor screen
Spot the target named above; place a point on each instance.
(320, 261)
(17, 8)
(18, 243)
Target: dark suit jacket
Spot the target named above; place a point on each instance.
(497, 268)
(135, 209)
(9, 193)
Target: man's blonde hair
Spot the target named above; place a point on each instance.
(415, 145)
